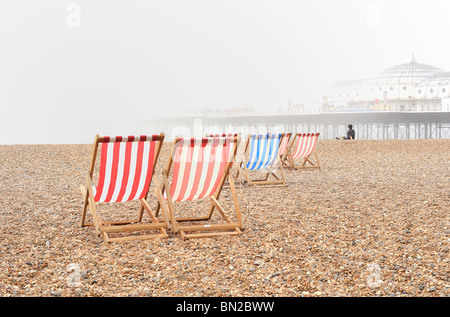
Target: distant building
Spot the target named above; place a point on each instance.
(407, 87)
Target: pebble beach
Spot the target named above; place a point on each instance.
(373, 221)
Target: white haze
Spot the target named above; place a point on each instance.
(134, 60)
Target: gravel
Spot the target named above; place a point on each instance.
(374, 221)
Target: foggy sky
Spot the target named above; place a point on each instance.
(63, 71)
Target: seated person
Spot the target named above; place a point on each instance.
(350, 134)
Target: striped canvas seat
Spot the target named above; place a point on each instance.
(237, 157)
(263, 150)
(198, 169)
(127, 164)
(284, 144)
(305, 145)
(126, 168)
(261, 153)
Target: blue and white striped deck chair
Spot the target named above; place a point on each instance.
(261, 155)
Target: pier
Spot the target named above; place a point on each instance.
(368, 125)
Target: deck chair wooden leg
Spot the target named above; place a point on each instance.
(300, 165)
(159, 202)
(148, 209)
(167, 217)
(158, 208)
(97, 223)
(244, 173)
(282, 171)
(317, 160)
(288, 161)
(169, 203)
(219, 208)
(247, 177)
(89, 203)
(92, 206)
(282, 179)
(304, 161)
(282, 174)
(143, 207)
(238, 171)
(216, 195)
(235, 200)
(141, 212)
(284, 160)
(159, 192)
(85, 205)
(291, 162)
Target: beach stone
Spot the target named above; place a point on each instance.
(373, 221)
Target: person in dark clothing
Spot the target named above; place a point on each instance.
(350, 134)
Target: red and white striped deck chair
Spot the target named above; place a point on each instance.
(305, 147)
(126, 168)
(198, 168)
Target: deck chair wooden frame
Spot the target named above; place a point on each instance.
(300, 156)
(188, 227)
(110, 155)
(270, 178)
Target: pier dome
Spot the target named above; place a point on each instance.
(412, 72)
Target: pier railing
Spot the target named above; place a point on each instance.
(368, 125)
